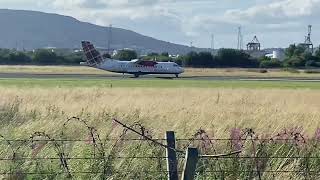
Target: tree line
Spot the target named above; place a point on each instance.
(39, 57)
(297, 56)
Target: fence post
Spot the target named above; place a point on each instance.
(190, 165)
(172, 163)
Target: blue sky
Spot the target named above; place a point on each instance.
(277, 23)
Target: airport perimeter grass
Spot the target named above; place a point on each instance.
(157, 83)
(184, 106)
(27, 106)
(181, 109)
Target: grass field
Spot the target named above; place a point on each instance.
(189, 71)
(183, 110)
(25, 110)
(184, 106)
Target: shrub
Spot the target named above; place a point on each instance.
(273, 63)
(291, 70)
(310, 71)
(312, 63)
(295, 61)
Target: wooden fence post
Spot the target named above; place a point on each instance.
(172, 163)
(190, 165)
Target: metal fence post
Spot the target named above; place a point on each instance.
(190, 165)
(172, 163)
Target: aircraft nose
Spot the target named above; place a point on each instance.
(181, 70)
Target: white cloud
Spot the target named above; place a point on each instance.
(277, 11)
(184, 20)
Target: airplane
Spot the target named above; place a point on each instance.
(136, 67)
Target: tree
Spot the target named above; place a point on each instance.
(190, 59)
(295, 61)
(73, 58)
(294, 50)
(153, 54)
(205, 59)
(165, 54)
(46, 57)
(317, 53)
(290, 50)
(299, 51)
(299, 56)
(126, 55)
(4, 56)
(19, 58)
(235, 58)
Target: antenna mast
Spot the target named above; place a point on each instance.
(212, 41)
(240, 39)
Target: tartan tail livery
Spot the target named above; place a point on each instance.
(136, 67)
(94, 58)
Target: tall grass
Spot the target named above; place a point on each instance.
(271, 114)
(179, 109)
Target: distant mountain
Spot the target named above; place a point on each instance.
(31, 30)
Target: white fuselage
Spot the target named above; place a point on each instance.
(131, 67)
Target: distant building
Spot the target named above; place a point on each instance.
(277, 54)
(174, 56)
(77, 50)
(274, 53)
(50, 48)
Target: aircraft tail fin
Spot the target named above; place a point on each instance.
(93, 56)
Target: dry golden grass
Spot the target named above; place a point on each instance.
(188, 71)
(182, 110)
(245, 72)
(50, 69)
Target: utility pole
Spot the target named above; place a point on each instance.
(191, 46)
(212, 43)
(240, 39)
(109, 39)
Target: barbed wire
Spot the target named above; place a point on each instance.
(102, 152)
(157, 157)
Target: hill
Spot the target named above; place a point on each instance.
(31, 30)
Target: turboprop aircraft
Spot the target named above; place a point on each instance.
(136, 67)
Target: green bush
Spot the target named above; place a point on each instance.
(295, 61)
(273, 63)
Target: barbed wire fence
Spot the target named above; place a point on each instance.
(135, 154)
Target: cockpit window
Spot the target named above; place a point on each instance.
(175, 65)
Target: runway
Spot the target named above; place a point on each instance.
(169, 77)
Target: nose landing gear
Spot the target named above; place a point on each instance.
(177, 75)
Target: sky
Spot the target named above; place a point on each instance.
(276, 23)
